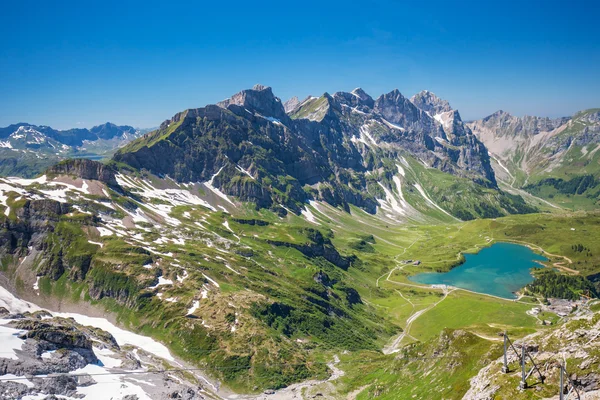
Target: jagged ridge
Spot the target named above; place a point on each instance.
(329, 148)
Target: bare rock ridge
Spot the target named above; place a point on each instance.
(290, 104)
(85, 169)
(542, 151)
(430, 103)
(505, 124)
(259, 99)
(260, 150)
(59, 357)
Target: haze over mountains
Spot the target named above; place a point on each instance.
(548, 157)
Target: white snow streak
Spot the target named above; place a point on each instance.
(216, 191)
(309, 216)
(431, 202)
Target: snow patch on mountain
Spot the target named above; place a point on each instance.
(244, 171)
(393, 126)
(431, 202)
(215, 190)
(309, 216)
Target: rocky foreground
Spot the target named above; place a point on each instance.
(575, 344)
(44, 356)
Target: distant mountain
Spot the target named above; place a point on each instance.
(252, 234)
(551, 158)
(345, 149)
(26, 150)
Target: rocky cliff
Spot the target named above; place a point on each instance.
(85, 169)
(572, 344)
(324, 148)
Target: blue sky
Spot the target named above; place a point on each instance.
(80, 63)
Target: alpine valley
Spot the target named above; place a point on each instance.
(27, 150)
(260, 249)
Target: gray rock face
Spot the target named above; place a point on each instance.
(43, 210)
(422, 134)
(63, 340)
(291, 104)
(399, 110)
(573, 341)
(85, 169)
(318, 147)
(259, 99)
(61, 336)
(537, 146)
(35, 219)
(56, 347)
(504, 124)
(13, 390)
(429, 102)
(357, 98)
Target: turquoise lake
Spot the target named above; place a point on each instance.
(499, 270)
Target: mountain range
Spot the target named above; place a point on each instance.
(551, 158)
(345, 149)
(27, 150)
(342, 148)
(270, 245)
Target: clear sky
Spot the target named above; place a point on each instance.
(80, 63)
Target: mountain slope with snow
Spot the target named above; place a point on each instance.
(27, 150)
(340, 148)
(551, 158)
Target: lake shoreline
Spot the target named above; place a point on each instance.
(501, 268)
(460, 257)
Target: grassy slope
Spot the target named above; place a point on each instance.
(437, 369)
(283, 273)
(438, 248)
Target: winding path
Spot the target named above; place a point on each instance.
(393, 347)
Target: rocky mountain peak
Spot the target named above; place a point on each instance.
(109, 130)
(397, 109)
(291, 104)
(356, 98)
(259, 87)
(105, 125)
(498, 114)
(362, 95)
(428, 101)
(260, 99)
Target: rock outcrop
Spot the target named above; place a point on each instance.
(430, 103)
(572, 343)
(85, 169)
(291, 104)
(35, 218)
(57, 356)
(319, 246)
